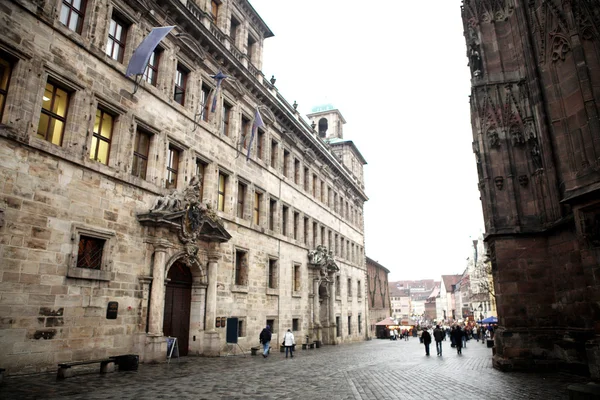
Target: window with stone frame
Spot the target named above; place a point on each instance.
(359, 323)
(241, 327)
(241, 268)
(233, 30)
(323, 236)
(323, 192)
(205, 101)
(306, 179)
(272, 277)
(296, 225)
(258, 198)
(314, 186)
(349, 287)
(151, 72)
(201, 167)
(117, 36)
(338, 286)
(251, 49)
(286, 163)
(274, 153)
(226, 118)
(6, 66)
(335, 245)
(260, 142)
(349, 325)
(241, 199)
(296, 171)
(53, 116)
(223, 178)
(173, 156)
(358, 289)
(181, 77)
(315, 234)
(214, 10)
(92, 253)
(296, 284)
(245, 132)
(272, 208)
(295, 324)
(102, 136)
(284, 220)
(305, 229)
(338, 326)
(272, 322)
(72, 13)
(141, 150)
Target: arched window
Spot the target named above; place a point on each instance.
(323, 127)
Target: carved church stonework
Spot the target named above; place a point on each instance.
(535, 120)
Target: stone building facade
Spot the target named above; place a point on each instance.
(378, 294)
(129, 217)
(535, 102)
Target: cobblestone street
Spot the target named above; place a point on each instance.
(378, 369)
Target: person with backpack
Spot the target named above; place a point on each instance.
(289, 343)
(265, 340)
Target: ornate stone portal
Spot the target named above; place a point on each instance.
(180, 228)
(324, 268)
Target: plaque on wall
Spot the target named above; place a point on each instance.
(112, 310)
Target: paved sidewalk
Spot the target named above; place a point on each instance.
(377, 369)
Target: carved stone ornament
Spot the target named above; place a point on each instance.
(494, 139)
(560, 46)
(523, 180)
(475, 62)
(536, 155)
(516, 136)
(322, 260)
(499, 182)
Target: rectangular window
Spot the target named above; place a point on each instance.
(359, 323)
(296, 278)
(305, 228)
(172, 168)
(338, 326)
(205, 100)
(241, 267)
(348, 250)
(335, 202)
(141, 149)
(296, 224)
(272, 279)
(323, 192)
(214, 10)
(314, 187)
(260, 144)
(295, 324)
(201, 174)
(103, 126)
(342, 247)
(272, 206)
(335, 245)
(5, 70)
(180, 83)
(151, 72)
(349, 287)
(286, 163)
(240, 200)
(315, 233)
(251, 48)
(338, 288)
(256, 209)
(323, 236)
(358, 289)
(328, 199)
(71, 14)
(349, 325)
(306, 179)
(90, 252)
(245, 132)
(241, 328)
(222, 182)
(233, 30)
(284, 217)
(329, 240)
(226, 115)
(274, 154)
(55, 103)
(296, 171)
(117, 33)
(271, 323)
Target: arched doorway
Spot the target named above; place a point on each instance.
(178, 297)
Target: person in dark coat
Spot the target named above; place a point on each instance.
(265, 340)
(438, 335)
(426, 340)
(457, 335)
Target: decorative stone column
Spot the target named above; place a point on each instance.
(157, 293)
(212, 340)
(332, 324)
(316, 306)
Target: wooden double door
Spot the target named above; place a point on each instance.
(178, 298)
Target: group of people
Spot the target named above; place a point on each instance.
(288, 342)
(458, 336)
(403, 334)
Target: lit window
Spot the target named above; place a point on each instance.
(53, 117)
(103, 126)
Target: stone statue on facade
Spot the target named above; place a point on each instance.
(322, 260)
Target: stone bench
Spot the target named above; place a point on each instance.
(65, 370)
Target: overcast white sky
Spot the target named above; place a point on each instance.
(398, 73)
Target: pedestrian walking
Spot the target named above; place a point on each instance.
(465, 337)
(289, 343)
(438, 335)
(265, 340)
(457, 334)
(426, 337)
